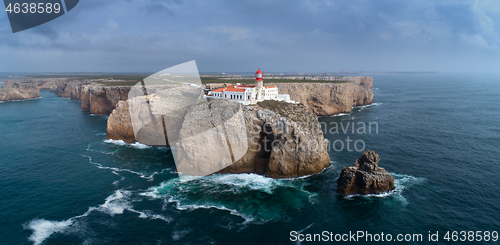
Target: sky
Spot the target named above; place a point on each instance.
(277, 36)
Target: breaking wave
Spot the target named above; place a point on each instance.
(42, 229)
(361, 107)
(253, 197)
(148, 176)
(340, 114)
(401, 182)
(115, 204)
(136, 145)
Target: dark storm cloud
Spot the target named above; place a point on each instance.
(149, 35)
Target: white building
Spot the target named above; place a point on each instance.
(250, 94)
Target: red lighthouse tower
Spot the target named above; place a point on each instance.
(258, 75)
(258, 84)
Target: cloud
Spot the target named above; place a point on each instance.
(235, 33)
(283, 35)
(111, 24)
(477, 40)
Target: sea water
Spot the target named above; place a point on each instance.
(62, 182)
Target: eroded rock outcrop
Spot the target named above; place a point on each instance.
(327, 99)
(98, 98)
(101, 99)
(365, 177)
(71, 89)
(120, 125)
(279, 140)
(284, 140)
(50, 84)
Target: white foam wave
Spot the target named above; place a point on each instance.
(136, 145)
(218, 191)
(150, 215)
(114, 204)
(179, 206)
(340, 114)
(116, 142)
(43, 229)
(401, 182)
(361, 107)
(115, 170)
(365, 106)
(237, 181)
(251, 181)
(140, 146)
(117, 181)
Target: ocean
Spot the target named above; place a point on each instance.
(61, 182)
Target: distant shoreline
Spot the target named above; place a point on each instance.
(142, 75)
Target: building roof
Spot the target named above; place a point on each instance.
(234, 90)
(231, 88)
(237, 88)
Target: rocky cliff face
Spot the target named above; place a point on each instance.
(276, 139)
(366, 81)
(12, 91)
(365, 177)
(327, 99)
(97, 98)
(100, 99)
(120, 125)
(284, 140)
(40, 83)
(71, 89)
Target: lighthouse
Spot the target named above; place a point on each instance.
(258, 84)
(249, 94)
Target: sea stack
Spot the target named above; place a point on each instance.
(365, 177)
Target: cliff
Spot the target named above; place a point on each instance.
(272, 138)
(284, 140)
(40, 83)
(100, 99)
(327, 99)
(119, 125)
(11, 91)
(71, 89)
(95, 97)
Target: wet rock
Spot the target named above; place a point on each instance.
(365, 177)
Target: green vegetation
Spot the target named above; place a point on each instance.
(275, 106)
(119, 83)
(206, 80)
(293, 111)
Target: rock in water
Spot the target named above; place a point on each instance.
(365, 177)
